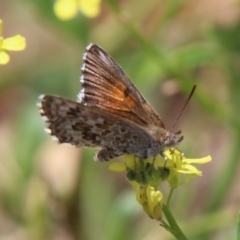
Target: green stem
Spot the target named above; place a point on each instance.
(174, 228)
(166, 226)
(170, 196)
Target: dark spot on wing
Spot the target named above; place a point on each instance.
(77, 127)
(127, 92)
(73, 112)
(122, 130)
(106, 132)
(89, 136)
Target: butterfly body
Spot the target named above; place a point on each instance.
(110, 113)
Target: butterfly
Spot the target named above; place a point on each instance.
(110, 113)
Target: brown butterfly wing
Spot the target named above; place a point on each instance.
(73, 123)
(107, 87)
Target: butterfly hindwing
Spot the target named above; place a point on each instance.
(79, 125)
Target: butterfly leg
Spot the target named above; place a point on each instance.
(163, 156)
(164, 171)
(106, 154)
(152, 166)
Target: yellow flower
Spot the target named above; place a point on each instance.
(145, 175)
(15, 43)
(68, 9)
(176, 169)
(150, 199)
(181, 170)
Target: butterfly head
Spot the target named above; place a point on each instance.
(163, 138)
(172, 139)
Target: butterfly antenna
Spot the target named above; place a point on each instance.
(179, 115)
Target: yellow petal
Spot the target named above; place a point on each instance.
(90, 8)
(198, 160)
(168, 154)
(153, 202)
(117, 167)
(138, 189)
(154, 197)
(130, 161)
(65, 9)
(189, 169)
(15, 43)
(159, 161)
(4, 57)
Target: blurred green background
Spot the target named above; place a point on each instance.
(49, 191)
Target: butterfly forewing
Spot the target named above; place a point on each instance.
(107, 87)
(79, 125)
